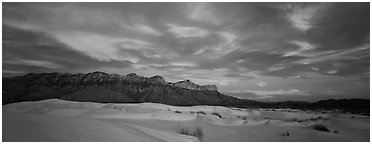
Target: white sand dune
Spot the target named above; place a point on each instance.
(60, 120)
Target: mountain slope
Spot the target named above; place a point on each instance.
(113, 88)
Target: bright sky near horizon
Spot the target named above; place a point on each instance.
(259, 51)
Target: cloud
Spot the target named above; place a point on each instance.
(274, 92)
(216, 76)
(332, 71)
(186, 32)
(334, 55)
(143, 29)
(315, 68)
(36, 63)
(302, 15)
(183, 64)
(303, 47)
(330, 92)
(138, 66)
(99, 47)
(227, 43)
(261, 84)
(202, 12)
(13, 72)
(276, 67)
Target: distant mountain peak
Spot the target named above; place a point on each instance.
(132, 74)
(102, 87)
(98, 76)
(188, 84)
(99, 72)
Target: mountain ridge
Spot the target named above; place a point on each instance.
(102, 87)
(131, 88)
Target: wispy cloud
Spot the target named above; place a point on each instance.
(332, 71)
(276, 67)
(13, 72)
(302, 15)
(216, 76)
(187, 32)
(142, 29)
(202, 12)
(333, 55)
(36, 63)
(227, 44)
(330, 92)
(303, 46)
(274, 92)
(183, 64)
(261, 84)
(102, 48)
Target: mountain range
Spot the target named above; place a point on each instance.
(132, 88)
(109, 88)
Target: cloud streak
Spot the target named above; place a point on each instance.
(187, 32)
(274, 92)
(302, 15)
(96, 46)
(36, 63)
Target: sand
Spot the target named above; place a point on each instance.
(62, 121)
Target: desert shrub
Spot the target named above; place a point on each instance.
(292, 120)
(196, 131)
(285, 134)
(216, 114)
(177, 112)
(336, 131)
(200, 112)
(320, 127)
(244, 118)
(192, 112)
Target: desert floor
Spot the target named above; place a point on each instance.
(60, 120)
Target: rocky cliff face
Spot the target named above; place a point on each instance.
(190, 85)
(103, 87)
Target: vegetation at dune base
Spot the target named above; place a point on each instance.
(177, 112)
(320, 127)
(201, 112)
(285, 134)
(216, 114)
(195, 131)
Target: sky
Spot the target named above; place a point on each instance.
(257, 51)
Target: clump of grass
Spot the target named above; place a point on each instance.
(192, 112)
(336, 131)
(285, 134)
(196, 131)
(292, 120)
(216, 114)
(201, 112)
(320, 127)
(177, 112)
